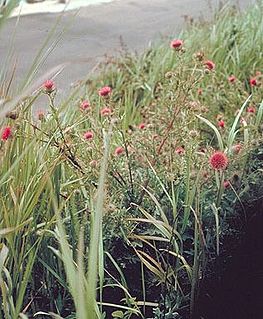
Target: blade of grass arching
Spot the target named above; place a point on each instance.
(231, 135)
(154, 199)
(151, 264)
(7, 10)
(132, 310)
(96, 233)
(10, 53)
(52, 73)
(218, 135)
(183, 261)
(157, 223)
(43, 52)
(123, 279)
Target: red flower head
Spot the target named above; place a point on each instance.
(88, 135)
(180, 150)
(105, 111)
(251, 109)
(236, 148)
(199, 91)
(85, 105)
(119, 151)
(49, 86)
(6, 133)
(40, 115)
(253, 82)
(218, 161)
(142, 126)
(221, 123)
(105, 91)
(226, 184)
(210, 65)
(232, 79)
(176, 44)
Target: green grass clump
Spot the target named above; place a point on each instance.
(111, 204)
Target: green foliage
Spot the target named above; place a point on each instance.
(124, 223)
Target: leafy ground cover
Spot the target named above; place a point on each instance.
(116, 201)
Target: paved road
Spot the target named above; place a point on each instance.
(96, 30)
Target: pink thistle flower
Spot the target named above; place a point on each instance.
(253, 82)
(88, 135)
(49, 86)
(176, 44)
(6, 133)
(142, 126)
(105, 91)
(119, 151)
(221, 123)
(251, 109)
(226, 184)
(236, 148)
(180, 150)
(199, 91)
(231, 78)
(218, 160)
(85, 105)
(40, 115)
(106, 111)
(210, 65)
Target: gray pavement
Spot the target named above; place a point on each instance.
(96, 31)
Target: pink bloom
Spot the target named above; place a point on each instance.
(236, 148)
(180, 150)
(210, 65)
(176, 44)
(226, 184)
(232, 79)
(88, 135)
(251, 109)
(6, 133)
(40, 115)
(142, 126)
(221, 123)
(218, 160)
(49, 86)
(199, 91)
(253, 82)
(105, 91)
(85, 105)
(119, 151)
(106, 111)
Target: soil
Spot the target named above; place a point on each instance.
(237, 291)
